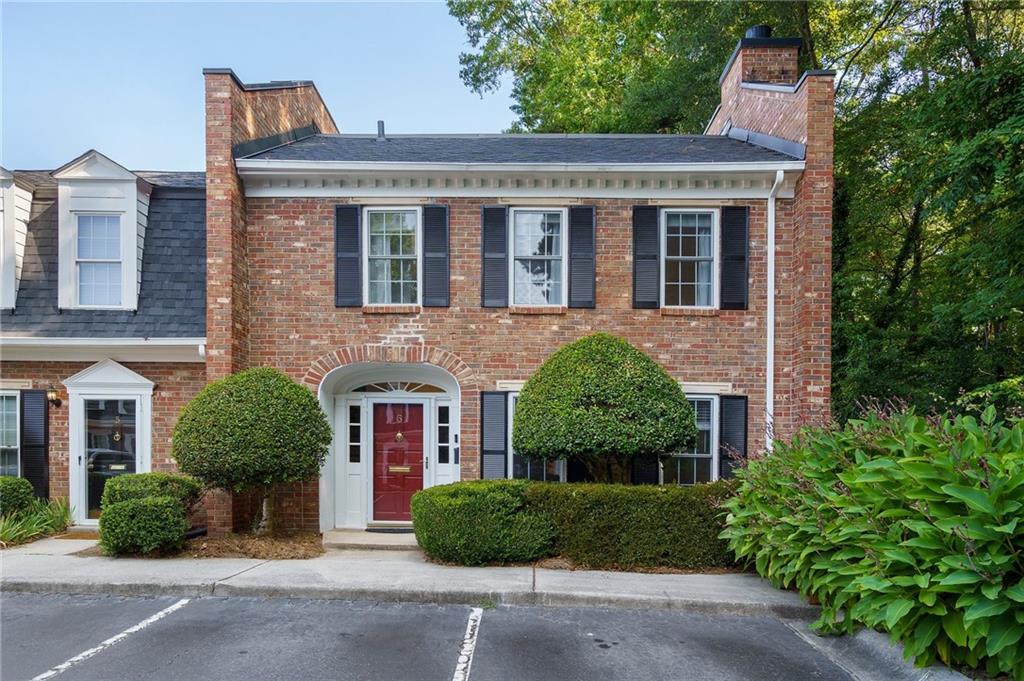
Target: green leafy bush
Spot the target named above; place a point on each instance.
(142, 526)
(604, 402)
(39, 519)
(485, 521)
(250, 431)
(636, 526)
(911, 526)
(145, 485)
(16, 494)
(1006, 396)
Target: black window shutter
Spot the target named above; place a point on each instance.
(646, 470)
(494, 245)
(348, 260)
(646, 248)
(582, 256)
(35, 441)
(735, 235)
(494, 434)
(732, 436)
(435, 256)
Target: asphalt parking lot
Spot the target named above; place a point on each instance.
(164, 639)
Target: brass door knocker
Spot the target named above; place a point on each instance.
(399, 437)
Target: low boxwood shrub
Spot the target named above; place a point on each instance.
(142, 526)
(908, 525)
(16, 494)
(479, 522)
(641, 526)
(145, 485)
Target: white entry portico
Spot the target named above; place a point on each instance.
(396, 429)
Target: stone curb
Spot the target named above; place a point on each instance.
(439, 597)
(870, 656)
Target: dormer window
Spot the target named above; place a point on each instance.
(98, 260)
(102, 214)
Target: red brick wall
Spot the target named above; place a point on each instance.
(176, 383)
(294, 322)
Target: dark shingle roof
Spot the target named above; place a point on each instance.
(178, 179)
(172, 299)
(594, 149)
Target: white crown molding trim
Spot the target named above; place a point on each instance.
(745, 183)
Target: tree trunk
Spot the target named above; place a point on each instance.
(609, 469)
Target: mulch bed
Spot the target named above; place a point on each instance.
(298, 546)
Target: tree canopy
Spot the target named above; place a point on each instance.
(928, 250)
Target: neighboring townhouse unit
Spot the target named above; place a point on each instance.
(414, 282)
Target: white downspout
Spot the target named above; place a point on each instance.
(769, 364)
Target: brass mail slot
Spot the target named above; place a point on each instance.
(399, 469)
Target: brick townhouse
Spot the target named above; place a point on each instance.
(413, 283)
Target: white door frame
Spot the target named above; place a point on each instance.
(105, 380)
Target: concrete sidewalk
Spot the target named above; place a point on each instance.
(48, 566)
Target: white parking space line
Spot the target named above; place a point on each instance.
(81, 657)
(465, 660)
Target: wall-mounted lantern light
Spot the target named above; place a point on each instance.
(52, 396)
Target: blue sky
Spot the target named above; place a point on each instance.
(126, 78)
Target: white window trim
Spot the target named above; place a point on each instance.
(17, 423)
(77, 261)
(715, 248)
(715, 427)
(561, 464)
(365, 235)
(564, 239)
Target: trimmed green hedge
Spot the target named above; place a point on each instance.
(186, 490)
(636, 526)
(900, 523)
(479, 522)
(142, 526)
(600, 526)
(16, 494)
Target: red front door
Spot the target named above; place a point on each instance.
(397, 458)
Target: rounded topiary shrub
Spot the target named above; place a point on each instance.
(479, 522)
(16, 494)
(145, 485)
(604, 402)
(250, 431)
(141, 526)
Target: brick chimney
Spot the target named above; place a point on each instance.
(765, 100)
(240, 119)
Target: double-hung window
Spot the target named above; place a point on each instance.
(538, 256)
(699, 464)
(9, 434)
(393, 256)
(690, 257)
(98, 260)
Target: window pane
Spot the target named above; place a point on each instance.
(442, 414)
(9, 461)
(9, 421)
(99, 283)
(99, 237)
(538, 282)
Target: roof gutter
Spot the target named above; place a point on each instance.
(253, 166)
(769, 363)
(20, 348)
